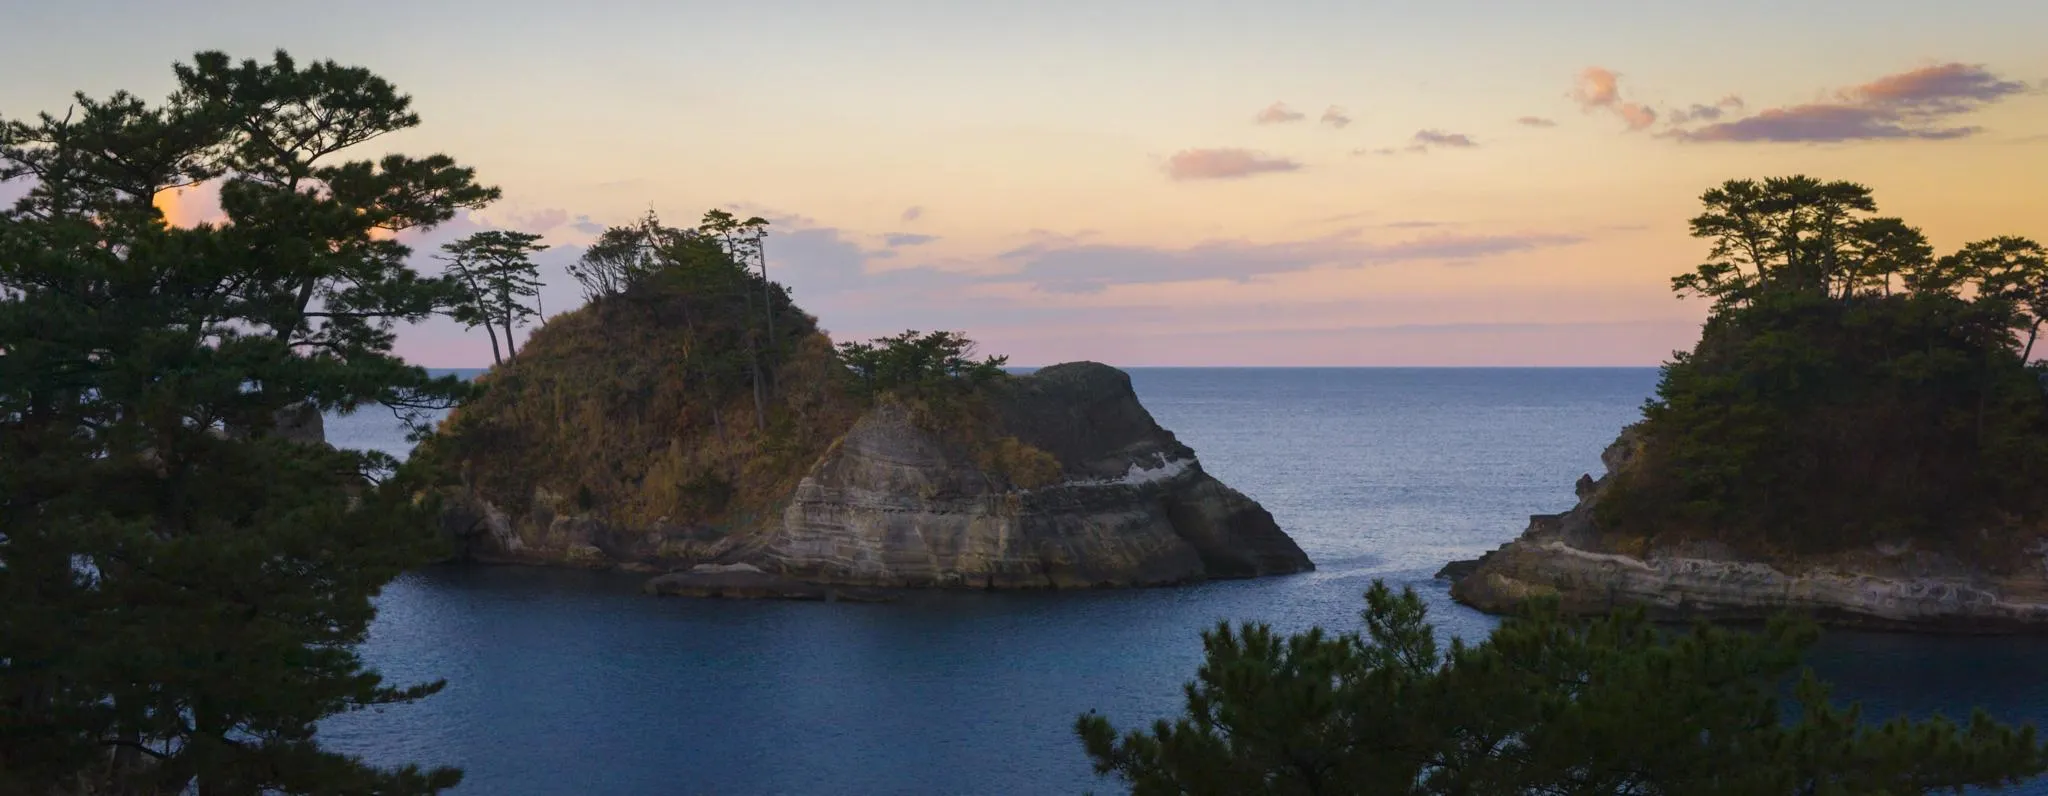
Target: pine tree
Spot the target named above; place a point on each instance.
(497, 268)
(182, 584)
(1546, 704)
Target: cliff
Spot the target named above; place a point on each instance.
(592, 450)
(894, 504)
(1894, 585)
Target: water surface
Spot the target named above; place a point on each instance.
(571, 682)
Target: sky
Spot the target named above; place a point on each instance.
(1290, 183)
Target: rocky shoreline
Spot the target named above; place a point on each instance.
(1887, 587)
(893, 505)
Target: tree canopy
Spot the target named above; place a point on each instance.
(1544, 705)
(921, 363)
(497, 268)
(184, 575)
(1849, 386)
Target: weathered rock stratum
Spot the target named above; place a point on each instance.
(1893, 587)
(893, 504)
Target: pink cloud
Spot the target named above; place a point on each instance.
(1224, 164)
(913, 213)
(1599, 88)
(1278, 113)
(1535, 121)
(1336, 117)
(1905, 106)
(538, 220)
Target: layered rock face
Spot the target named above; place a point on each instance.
(895, 505)
(1892, 587)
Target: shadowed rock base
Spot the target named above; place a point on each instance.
(1889, 587)
(745, 581)
(893, 505)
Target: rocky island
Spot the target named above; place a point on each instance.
(1892, 585)
(661, 430)
(1858, 437)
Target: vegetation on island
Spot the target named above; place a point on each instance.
(497, 268)
(1849, 388)
(689, 389)
(183, 582)
(1546, 704)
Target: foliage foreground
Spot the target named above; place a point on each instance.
(1545, 705)
(185, 573)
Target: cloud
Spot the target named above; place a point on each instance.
(1439, 138)
(585, 225)
(536, 221)
(1535, 121)
(908, 239)
(913, 212)
(1599, 88)
(1912, 105)
(1336, 117)
(191, 205)
(1423, 141)
(1706, 113)
(1278, 113)
(1224, 164)
(1090, 268)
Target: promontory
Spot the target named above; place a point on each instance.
(1860, 436)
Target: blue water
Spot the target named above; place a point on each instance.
(573, 683)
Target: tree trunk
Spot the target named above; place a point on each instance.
(2027, 354)
(510, 350)
(493, 332)
(767, 303)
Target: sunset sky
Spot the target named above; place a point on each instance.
(1296, 182)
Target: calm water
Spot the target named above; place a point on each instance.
(573, 683)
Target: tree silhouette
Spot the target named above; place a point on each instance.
(185, 578)
(497, 268)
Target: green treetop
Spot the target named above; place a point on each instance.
(497, 268)
(1544, 705)
(1849, 387)
(182, 589)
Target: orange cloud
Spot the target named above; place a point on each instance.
(1600, 88)
(1224, 164)
(190, 206)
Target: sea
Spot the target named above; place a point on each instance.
(562, 682)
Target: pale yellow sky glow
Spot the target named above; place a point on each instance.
(1146, 183)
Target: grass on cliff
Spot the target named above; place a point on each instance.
(640, 408)
(1852, 389)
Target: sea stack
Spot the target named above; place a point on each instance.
(599, 446)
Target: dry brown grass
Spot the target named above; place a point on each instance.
(603, 407)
